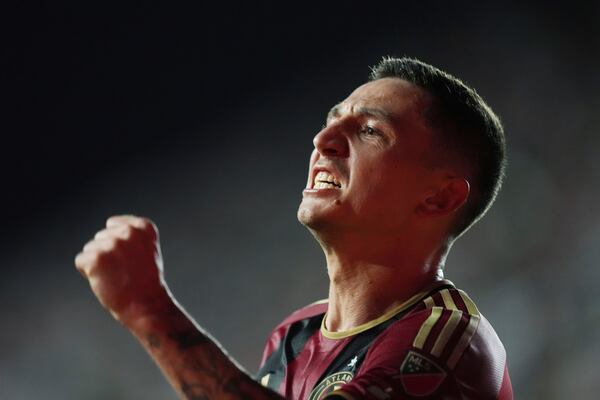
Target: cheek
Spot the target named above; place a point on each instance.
(394, 187)
(372, 189)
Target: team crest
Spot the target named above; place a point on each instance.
(419, 375)
(329, 384)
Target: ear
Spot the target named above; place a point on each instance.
(449, 197)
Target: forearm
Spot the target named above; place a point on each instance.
(193, 363)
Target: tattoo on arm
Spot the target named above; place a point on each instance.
(199, 368)
(153, 341)
(188, 339)
(193, 391)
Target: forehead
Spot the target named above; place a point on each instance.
(393, 96)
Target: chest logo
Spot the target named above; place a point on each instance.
(329, 384)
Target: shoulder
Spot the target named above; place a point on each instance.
(445, 336)
(444, 326)
(449, 322)
(441, 325)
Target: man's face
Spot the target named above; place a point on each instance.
(367, 171)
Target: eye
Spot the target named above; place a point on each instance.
(369, 131)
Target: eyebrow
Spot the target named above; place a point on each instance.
(369, 111)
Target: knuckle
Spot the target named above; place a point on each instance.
(111, 220)
(88, 246)
(93, 259)
(127, 232)
(127, 236)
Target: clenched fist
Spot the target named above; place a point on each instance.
(123, 265)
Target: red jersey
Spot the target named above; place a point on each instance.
(436, 345)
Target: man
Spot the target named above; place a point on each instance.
(402, 168)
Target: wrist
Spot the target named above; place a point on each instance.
(161, 306)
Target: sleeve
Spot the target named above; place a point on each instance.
(431, 355)
(300, 324)
(263, 374)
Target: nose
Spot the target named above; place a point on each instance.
(332, 142)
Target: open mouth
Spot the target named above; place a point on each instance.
(324, 180)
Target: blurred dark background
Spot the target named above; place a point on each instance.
(201, 118)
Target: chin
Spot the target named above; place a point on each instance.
(315, 220)
(309, 217)
(305, 215)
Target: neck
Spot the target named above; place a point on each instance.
(369, 276)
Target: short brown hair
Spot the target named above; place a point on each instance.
(466, 126)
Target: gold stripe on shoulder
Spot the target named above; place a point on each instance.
(471, 307)
(421, 337)
(464, 341)
(446, 333)
(429, 303)
(448, 301)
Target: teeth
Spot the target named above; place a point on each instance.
(325, 180)
(324, 185)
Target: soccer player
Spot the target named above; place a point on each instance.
(401, 169)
